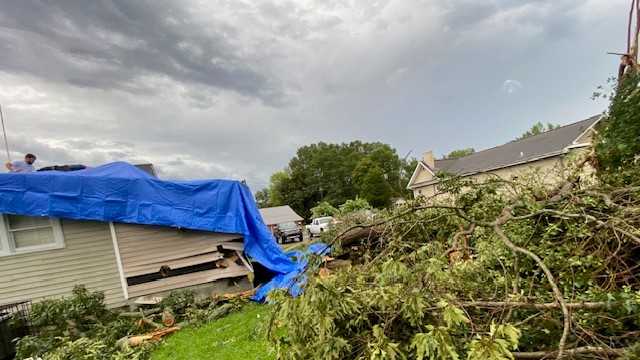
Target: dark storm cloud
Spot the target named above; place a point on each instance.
(118, 44)
(176, 82)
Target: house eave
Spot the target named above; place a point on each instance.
(590, 128)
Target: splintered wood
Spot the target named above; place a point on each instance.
(159, 259)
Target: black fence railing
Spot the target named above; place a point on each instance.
(14, 324)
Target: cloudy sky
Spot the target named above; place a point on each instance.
(230, 88)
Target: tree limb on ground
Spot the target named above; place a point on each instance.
(585, 350)
(541, 306)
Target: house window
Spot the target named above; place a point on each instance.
(20, 234)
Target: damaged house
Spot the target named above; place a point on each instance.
(119, 230)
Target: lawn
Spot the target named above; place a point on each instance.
(237, 336)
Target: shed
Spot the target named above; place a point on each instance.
(273, 216)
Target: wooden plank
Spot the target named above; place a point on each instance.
(143, 245)
(153, 257)
(233, 245)
(172, 264)
(176, 282)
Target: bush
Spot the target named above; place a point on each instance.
(81, 327)
(354, 205)
(323, 209)
(66, 326)
(74, 317)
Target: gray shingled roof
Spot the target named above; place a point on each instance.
(279, 215)
(544, 145)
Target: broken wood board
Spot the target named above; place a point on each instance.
(135, 270)
(181, 281)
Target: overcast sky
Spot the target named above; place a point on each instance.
(230, 88)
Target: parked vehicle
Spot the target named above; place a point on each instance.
(319, 225)
(288, 232)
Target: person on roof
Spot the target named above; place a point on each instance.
(22, 166)
(627, 66)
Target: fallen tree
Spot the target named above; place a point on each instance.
(501, 270)
(541, 273)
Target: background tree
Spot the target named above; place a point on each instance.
(327, 172)
(455, 154)
(537, 129)
(262, 198)
(280, 183)
(371, 183)
(618, 137)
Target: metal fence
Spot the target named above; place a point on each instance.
(14, 324)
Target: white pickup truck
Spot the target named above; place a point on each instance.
(319, 225)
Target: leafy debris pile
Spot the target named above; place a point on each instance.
(81, 327)
(503, 270)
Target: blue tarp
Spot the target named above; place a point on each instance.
(294, 280)
(120, 192)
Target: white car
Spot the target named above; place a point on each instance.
(319, 225)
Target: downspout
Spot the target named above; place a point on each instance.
(116, 250)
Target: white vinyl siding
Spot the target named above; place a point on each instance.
(87, 259)
(21, 234)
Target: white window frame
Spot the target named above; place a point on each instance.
(7, 244)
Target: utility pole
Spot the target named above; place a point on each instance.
(633, 32)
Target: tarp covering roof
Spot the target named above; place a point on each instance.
(120, 192)
(279, 214)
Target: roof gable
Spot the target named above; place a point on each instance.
(416, 173)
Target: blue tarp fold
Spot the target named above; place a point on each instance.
(120, 192)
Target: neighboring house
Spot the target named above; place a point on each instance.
(273, 216)
(43, 257)
(546, 152)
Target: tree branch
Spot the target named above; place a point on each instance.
(540, 306)
(505, 217)
(593, 350)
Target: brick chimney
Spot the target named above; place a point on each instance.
(428, 159)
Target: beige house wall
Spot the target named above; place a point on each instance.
(88, 259)
(549, 171)
(423, 176)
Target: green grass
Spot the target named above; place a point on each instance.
(237, 336)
